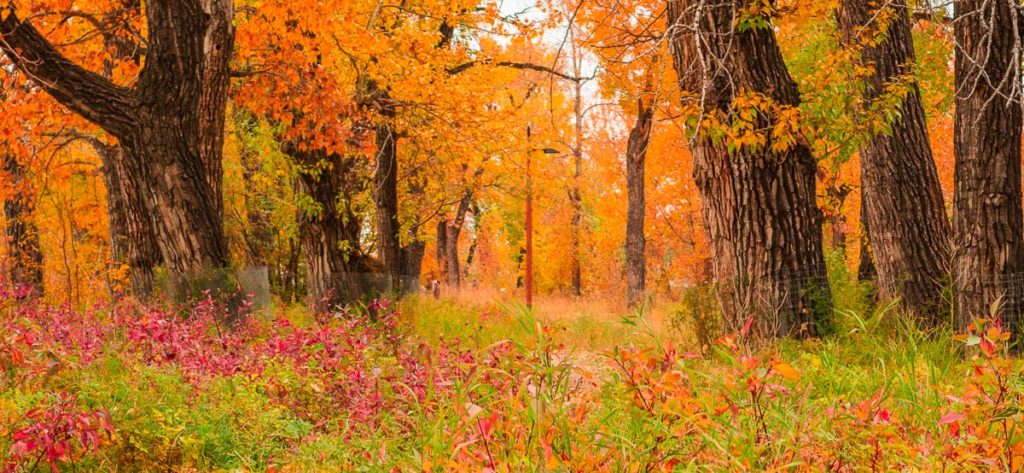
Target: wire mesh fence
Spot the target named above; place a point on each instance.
(1001, 298)
(780, 304)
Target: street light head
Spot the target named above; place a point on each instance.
(550, 151)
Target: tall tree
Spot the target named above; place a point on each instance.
(330, 226)
(25, 258)
(754, 170)
(158, 122)
(636, 156)
(987, 212)
(902, 196)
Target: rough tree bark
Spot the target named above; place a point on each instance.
(901, 185)
(218, 46)
(158, 124)
(987, 214)
(24, 256)
(865, 267)
(329, 234)
(759, 205)
(636, 156)
(132, 239)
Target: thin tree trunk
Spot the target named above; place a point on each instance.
(575, 194)
(441, 250)
(987, 213)
(759, 202)
(636, 155)
(900, 182)
(25, 256)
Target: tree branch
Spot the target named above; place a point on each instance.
(516, 65)
(86, 93)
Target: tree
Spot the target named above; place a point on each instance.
(636, 154)
(901, 193)
(987, 212)
(330, 226)
(24, 259)
(158, 122)
(754, 169)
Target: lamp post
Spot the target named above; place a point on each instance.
(529, 223)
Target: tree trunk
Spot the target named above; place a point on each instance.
(158, 123)
(24, 256)
(385, 195)
(987, 220)
(865, 267)
(575, 194)
(218, 46)
(452, 234)
(441, 250)
(414, 251)
(329, 233)
(900, 182)
(758, 200)
(132, 239)
(636, 155)
(412, 264)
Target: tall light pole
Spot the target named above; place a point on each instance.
(529, 222)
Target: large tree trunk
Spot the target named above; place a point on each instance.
(636, 155)
(901, 186)
(329, 233)
(758, 202)
(987, 221)
(24, 256)
(158, 123)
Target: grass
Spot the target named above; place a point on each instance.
(477, 382)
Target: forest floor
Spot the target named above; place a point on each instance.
(477, 382)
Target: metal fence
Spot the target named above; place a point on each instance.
(788, 303)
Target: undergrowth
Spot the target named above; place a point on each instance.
(132, 388)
